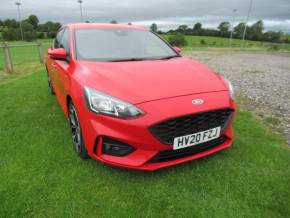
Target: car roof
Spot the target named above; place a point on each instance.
(102, 26)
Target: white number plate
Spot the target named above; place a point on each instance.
(196, 138)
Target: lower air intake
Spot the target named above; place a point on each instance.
(169, 155)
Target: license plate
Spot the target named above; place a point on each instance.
(196, 138)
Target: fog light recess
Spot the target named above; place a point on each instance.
(115, 148)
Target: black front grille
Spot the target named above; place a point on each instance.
(166, 131)
(169, 155)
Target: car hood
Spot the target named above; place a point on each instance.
(143, 81)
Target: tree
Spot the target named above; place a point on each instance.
(7, 22)
(177, 40)
(11, 34)
(40, 35)
(256, 31)
(29, 33)
(50, 28)
(154, 27)
(113, 22)
(258, 26)
(10, 29)
(26, 26)
(57, 26)
(272, 36)
(10, 23)
(239, 30)
(33, 20)
(224, 28)
(210, 32)
(197, 28)
(41, 28)
(8, 34)
(13, 23)
(51, 35)
(183, 29)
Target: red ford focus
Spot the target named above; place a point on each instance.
(133, 101)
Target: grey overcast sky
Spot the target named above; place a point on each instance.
(166, 13)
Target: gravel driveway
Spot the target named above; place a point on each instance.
(261, 77)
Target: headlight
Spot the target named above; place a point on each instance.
(101, 103)
(231, 89)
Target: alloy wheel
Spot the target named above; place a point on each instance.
(75, 128)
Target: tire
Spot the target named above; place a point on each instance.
(76, 132)
(50, 87)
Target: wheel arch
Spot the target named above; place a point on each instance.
(68, 100)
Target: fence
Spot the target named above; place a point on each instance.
(7, 55)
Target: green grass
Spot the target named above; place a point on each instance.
(287, 36)
(25, 60)
(40, 176)
(23, 55)
(219, 43)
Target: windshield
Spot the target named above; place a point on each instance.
(120, 44)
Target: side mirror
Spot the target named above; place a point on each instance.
(178, 50)
(57, 53)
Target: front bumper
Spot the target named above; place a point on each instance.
(135, 132)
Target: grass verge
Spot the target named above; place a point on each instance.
(42, 177)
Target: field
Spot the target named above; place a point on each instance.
(26, 54)
(287, 36)
(24, 59)
(42, 177)
(218, 43)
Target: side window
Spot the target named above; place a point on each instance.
(65, 41)
(57, 39)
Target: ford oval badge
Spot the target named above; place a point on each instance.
(197, 101)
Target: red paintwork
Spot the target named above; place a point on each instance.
(59, 53)
(161, 88)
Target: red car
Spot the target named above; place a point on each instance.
(133, 101)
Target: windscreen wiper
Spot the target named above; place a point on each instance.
(169, 57)
(144, 59)
(128, 59)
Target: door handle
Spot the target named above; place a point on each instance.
(53, 65)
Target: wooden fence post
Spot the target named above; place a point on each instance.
(7, 58)
(40, 52)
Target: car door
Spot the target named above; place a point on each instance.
(61, 76)
(50, 61)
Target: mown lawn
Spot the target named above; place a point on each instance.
(21, 55)
(40, 176)
(24, 59)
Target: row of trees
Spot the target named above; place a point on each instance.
(31, 29)
(254, 32)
